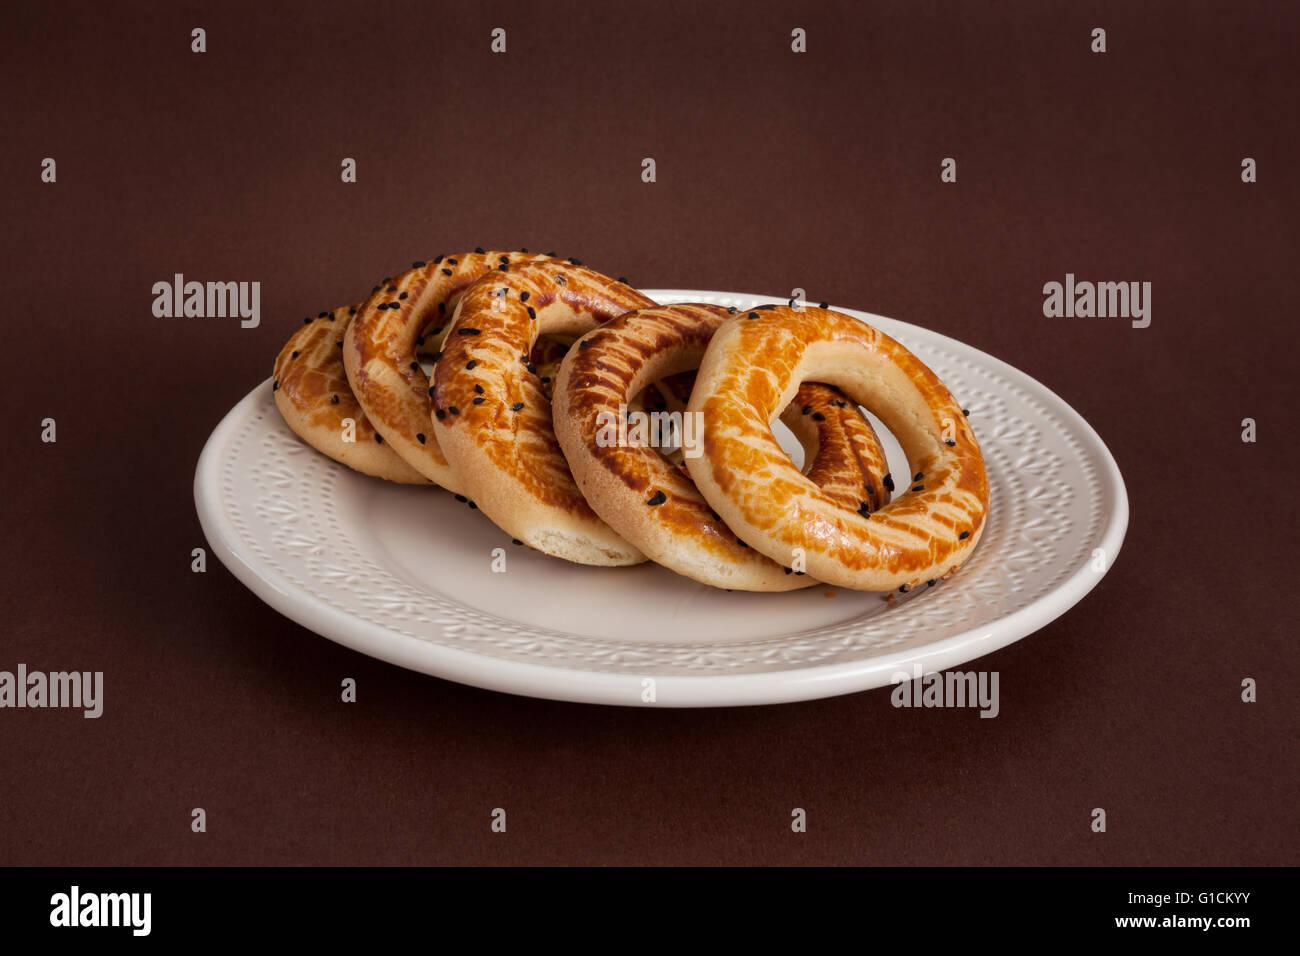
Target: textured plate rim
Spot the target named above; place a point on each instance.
(601, 687)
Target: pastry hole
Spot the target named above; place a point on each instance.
(789, 444)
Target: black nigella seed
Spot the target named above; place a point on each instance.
(838, 404)
(462, 499)
(716, 516)
(888, 482)
(442, 310)
(919, 488)
(807, 410)
(546, 379)
(478, 389)
(823, 305)
(753, 315)
(504, 258)
(871, 491)
(331, 316)
(469, 366)
(515, 541)
(800, 573)
(657, 498)
(504, 267)
(963, 536)
(479, 250)
(334, 400)
(741, 543)
(965, 411)
(467, 332)
(322, 315)
(275, 386)
(374, 290)
(419, 436)
(415, 366)
(576, 262)
(473, 507)
(432, 389)
(523, 296)
(550, 255)
(437, 260)
(402, 296)
(623, 279)
(864, 509)
(385, 280)
(419, 340)
(480, 400)
(294, 355)
(517, 406)
(379, 439)
(532, 313)
(382, 306)
(446, 272)
(339, 343)
(918, 476)
(523, 250)
(949, 442)
(352, 311)
(307, 321)
(451, 261)
(904, 588)
(531, 367)
(732, 311)
(561, 280)
(788, 570)
(418, 265)
(392, 288)
(583, 344)
(437, 355)
(454, 410)
(440, 413)
(930, 583)
(818, 417)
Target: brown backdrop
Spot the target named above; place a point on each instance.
(775, 170)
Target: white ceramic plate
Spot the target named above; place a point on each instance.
(405, 574)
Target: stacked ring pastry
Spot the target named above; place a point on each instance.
(542, 372)
(654, 503)
(492, 420)
(328, 405)
(403, 315)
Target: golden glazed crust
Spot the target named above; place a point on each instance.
(493, 420)
(751, 370)
(313, 395)
(405, 315)
(653, 503)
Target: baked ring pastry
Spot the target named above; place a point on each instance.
(312, 393)
(313, 396)
(751, 370)
(493, 421)
(404, 316)
(652, 502)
